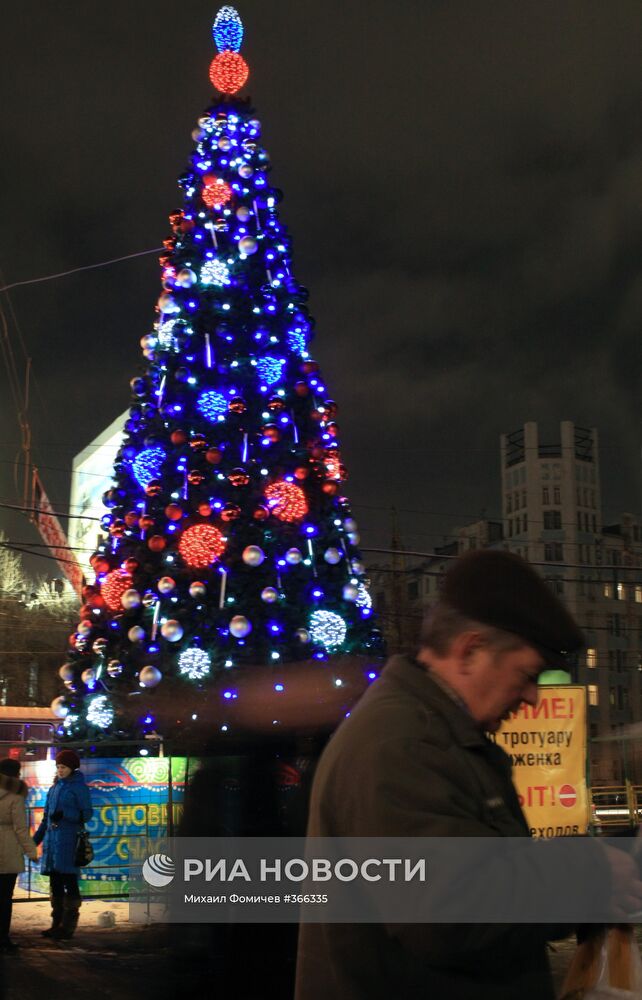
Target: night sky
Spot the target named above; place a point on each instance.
(463, 184)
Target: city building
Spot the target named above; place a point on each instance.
(552, 515)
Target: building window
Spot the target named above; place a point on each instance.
(594, 698)
(594, 525)
(621, 592)
(525, 522)
(638, 594)
(556, 494)
(509, 503)
(545, 498)
(591, 657)
(586, 522)
(413, 590)
(612, 697)
(552, 520)
(553, 552)
(608, 590)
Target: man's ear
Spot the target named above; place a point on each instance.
(463, 648)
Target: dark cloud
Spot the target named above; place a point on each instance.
(463, 183)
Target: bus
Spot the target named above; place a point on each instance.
(26, 733)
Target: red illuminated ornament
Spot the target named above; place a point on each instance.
(286, 501)
(114, 586)
(228, 72)
(201, 545)
(332, 462)
(215, 191)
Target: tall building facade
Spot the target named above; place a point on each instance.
(552, 515)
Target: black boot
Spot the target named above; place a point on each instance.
(69, 919)
(57, 903)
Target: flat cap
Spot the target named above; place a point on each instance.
(501, 589)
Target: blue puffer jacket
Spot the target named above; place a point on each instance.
(71, 797)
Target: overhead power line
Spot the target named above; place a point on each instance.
(75, 270)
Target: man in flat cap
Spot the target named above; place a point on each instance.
(414, 760)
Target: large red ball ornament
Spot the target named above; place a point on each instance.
(302, 389)
(146, 523)
(272, 432)
(198, 442)
(131, 518)
(157, 543)
(178, 437)
(153, 488)
(101, 566)
(114, 586)
(309, 366)
(228, 72)
(333, 429)
(276, 405)
(195, 477)
(201, 545)
(117, 529)
(204, 509)
(174, 512)
(215, 191)
(301, 472)
(329, 488)
(130, 565)
(261, 513)
(286, 501)
(237, 405)
(213, 456)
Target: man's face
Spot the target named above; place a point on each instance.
(499, 681)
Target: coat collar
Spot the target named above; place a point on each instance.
(414, 677)
(14, 785)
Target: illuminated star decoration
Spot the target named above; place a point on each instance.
(270, 369)
(194, 663)
(147, 465)
(215, 272)
(327, 629)
(165, 335)
(100, 713)
(216, 192)
(113, 587)
(213, 405)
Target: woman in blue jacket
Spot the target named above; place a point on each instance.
(68, 806)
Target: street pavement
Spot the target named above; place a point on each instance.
(129, 961)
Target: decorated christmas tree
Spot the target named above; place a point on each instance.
(229, 542)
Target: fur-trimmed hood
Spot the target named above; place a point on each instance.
(14, 785)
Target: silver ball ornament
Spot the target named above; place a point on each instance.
(84, 629)
(66, 672)
(354, 537)
(293, 556)
(302, 635)
(172, 630)
(130, 599)
(350, 524)
(88, 676)
(186, 278)
(350, 592)
(245, 170)
(197, 589)
(269, 595)
(59, 707)
(149, 677)
(136, 633)
(243, 213)
(224, 143)
(253, 555)
(114, 668)
(240, 626)
(168, 304)
(358, 567)
(248, 245)
(332, 556)
(166, 585)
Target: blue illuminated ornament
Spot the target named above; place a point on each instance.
(228, 30)
(327, 629)
(296, 341)
(99, 712)
(194, 663)
(215, 272)
(212, 405)
(147, 465)
(270, 369)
